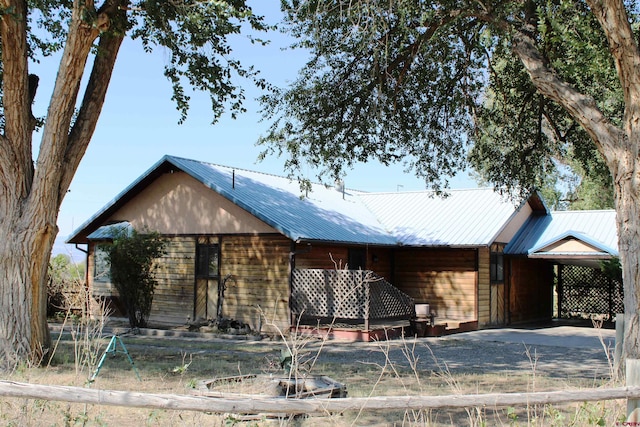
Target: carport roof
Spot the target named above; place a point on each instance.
(542, 236)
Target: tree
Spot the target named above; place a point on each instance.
(89, 35)
(513, 85)
(132, 256)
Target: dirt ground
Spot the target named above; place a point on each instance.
(431, 366)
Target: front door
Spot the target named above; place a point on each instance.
(207, 277)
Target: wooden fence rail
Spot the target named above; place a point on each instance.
(306, 406)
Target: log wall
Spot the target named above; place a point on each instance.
(258, 283)
(443, 278)
(173, 298)
(379, 260)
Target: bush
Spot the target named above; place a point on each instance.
(65, 285)
(131, 256)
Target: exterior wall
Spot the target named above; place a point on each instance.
(446, 279)
(258, 282)
(176, 203)
(258, 287)
(484, 287)
(379, 260)
(530, 290)
(173, 298)
(514, 225)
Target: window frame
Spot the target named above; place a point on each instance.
(207, 249)
(496, 267)
(101, 265)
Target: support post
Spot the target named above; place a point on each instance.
(619, 345)
(632, 380)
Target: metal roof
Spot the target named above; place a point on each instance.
(465, 218)
(596, 228)
(472, 217)
(111, 231)
(324, 214)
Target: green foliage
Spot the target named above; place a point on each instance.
(195, 35)
(65, 278)
(132, 256)
(612, 269)
(436, 85)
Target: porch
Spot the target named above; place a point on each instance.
(348, 304)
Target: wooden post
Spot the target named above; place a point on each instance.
(619, 345)
(633, 379)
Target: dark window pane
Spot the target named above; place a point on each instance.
(207, 261)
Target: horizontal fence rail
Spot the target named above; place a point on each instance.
(257, 405)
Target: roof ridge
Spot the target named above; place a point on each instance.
(258, 172)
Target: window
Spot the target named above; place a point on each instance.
(101, 266)
(357, 259)
(207, 260)
(497, 267)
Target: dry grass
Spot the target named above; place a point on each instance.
(170, 365)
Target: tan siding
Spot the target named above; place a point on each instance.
(173, 299)
(443, 278)
(176, 203)
(259, 269)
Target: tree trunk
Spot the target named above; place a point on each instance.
(24, 256)
(30, 197)
(627, 187)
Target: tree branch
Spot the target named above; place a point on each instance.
(15, 151)
(580, 106)
(613, 18)
(91, 107)
(49, 166)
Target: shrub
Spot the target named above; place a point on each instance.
(131, 256)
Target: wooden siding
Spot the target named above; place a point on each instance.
(443, 278)
(173, 299)
(484, 287)
(531, 290)
(379, 260)
(258, 269)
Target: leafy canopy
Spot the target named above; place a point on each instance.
(193, 33)
(436, 85)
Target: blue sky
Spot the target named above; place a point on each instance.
(139, 124)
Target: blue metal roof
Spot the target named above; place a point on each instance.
(325, 214)
(472, 217)
(465, 218)
(596, 228)
(111, 231)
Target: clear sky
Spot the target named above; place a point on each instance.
(139, 125)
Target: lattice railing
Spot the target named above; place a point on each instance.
(585, 291)
(347, 294)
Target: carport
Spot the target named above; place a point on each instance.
(575, 243)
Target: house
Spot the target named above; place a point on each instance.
(239, 241)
